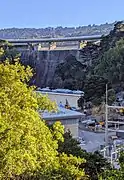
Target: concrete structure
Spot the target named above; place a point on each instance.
(68, 118)
(52, 41)
(45, 63)
(49, 40)
(62, 96)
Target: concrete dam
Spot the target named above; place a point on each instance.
(59, 50)
(44, 64)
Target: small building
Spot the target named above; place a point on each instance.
(62, 96)
(68, 118)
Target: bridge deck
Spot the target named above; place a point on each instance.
(87, 38)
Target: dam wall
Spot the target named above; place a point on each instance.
(44, 64)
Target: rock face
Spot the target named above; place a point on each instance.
(44, 64)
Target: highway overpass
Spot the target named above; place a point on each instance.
(49, 40)
(54, 43)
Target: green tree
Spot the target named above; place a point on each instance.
(70, 146)
(81, 102)
(70, 74)
(28, 149)
(111, 64)
(114, 174)
(95, 163)
(94, 89)
(24, 138)
(111, 96)
(7, 51)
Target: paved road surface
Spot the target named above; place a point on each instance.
(93, 140)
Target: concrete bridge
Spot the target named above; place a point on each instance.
(54, 43)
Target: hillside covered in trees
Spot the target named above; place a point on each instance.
(100, 64)
(15, 33)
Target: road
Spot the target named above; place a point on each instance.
(93, 140)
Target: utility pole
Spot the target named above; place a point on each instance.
(106, 117)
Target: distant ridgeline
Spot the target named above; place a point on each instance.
(27, 33)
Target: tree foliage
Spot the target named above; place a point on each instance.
(95, 163)
(70, 74)
(111, 96)
(111, 64)
(94, 88)
(114, 174)
(81, 102)
(26, 143)
(28, 149)
(109, 69)
(7, 51)
(29, 33)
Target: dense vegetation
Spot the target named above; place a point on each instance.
(114, 174)
(96, 167)
(55, 32)
(69, 74)
(95, 163)
(111, 64)
(99, 64)
(28, 148)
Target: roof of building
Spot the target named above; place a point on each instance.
(64, 91)
(62, 113)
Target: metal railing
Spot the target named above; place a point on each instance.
(112, 155)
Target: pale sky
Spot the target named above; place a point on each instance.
(44, 13)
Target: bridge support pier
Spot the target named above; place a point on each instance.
(79, 42)
(49, 46)
(52, 45)
(39, 46)
(30, 47)
(78, 55)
